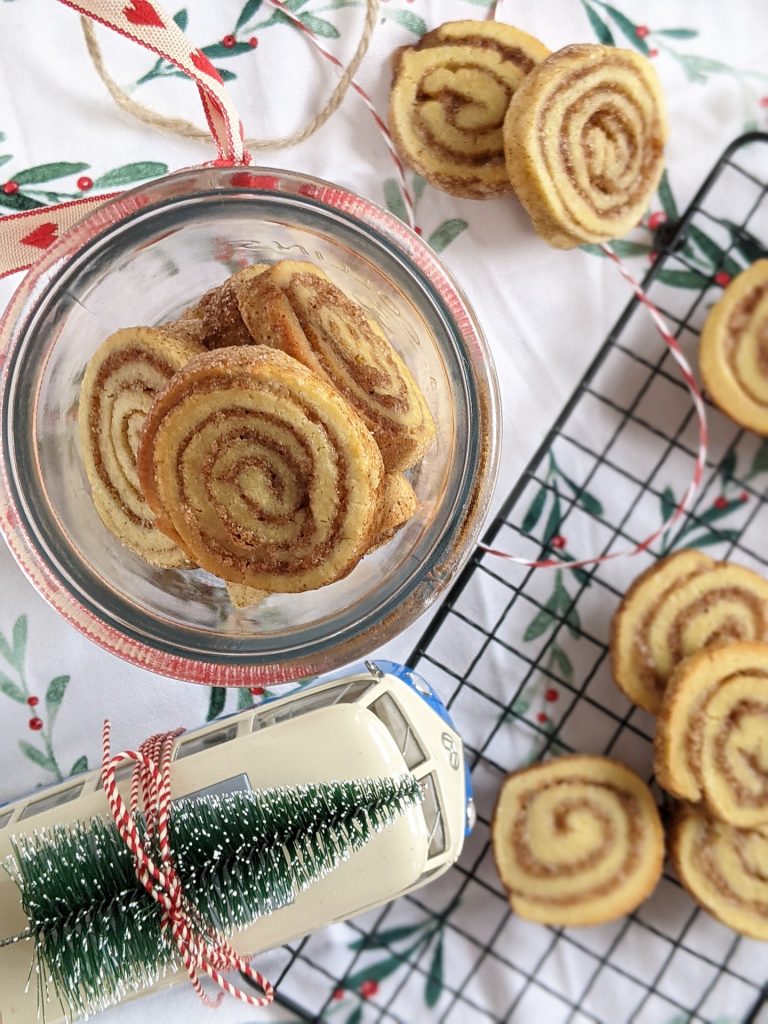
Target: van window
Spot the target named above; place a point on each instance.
(48, 802)
(433, 816)
(196, 744)
(344, 693)
(388, 711)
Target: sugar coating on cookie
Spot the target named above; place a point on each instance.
(711, 743)
(733, 355)
(584, 138)
(679, 606)
(449, 96)
(577, 840)
(723, 868)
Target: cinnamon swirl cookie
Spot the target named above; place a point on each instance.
(121, 381)
(711, 742)
(684, 603)
(295, 307)
(577, 841)
(584, 136)
(449, 95)
(216, 316)
(723, 868)
(261, 471)
(734, 349)
(398, 503)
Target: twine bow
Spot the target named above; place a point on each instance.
(201, 948)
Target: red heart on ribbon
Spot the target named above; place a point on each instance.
(43, 235)
(202, 63)
(141, 12)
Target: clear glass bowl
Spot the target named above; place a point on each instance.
(141, 259)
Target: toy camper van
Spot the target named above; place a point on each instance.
(381, 721)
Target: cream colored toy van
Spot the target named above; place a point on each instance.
(381, 721)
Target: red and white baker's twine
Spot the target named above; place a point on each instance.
(201, 948)
(701, 454)
(379, 122)
(149, 26)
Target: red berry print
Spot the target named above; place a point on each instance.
(652, 257)
(721, 502)
(257, 691)
(641, 31)
(743, 496)
(722, 278)
(11, 188)
(551, 695)
(228, 41)
(36, 724)
(558, 542)
(653, 53)
(763, 101)
(33, 701)
(338, 993)
(253, 42)
(542, 717)
(369, 988)
(657, 219)
(419, 231)
(84, 183)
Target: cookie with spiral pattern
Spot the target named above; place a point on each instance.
(577, 840)
(733, 355)
(711, 743)
(584, 140)
(260, 471)
(449, 95)
(682, 604)
(121, 380)
(723, 868)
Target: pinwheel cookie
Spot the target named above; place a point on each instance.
(295, 307)
(723, 868)
(449, 96)
(711, 743)
(261, 471)
(121, 381)
(734, 349)
(584, 136)
(577, 841)
(682, 604)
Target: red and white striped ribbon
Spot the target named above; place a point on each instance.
(201, 948)
(701, 454)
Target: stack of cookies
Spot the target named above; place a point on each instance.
(263, 436)
(481, 108)
(690, 645)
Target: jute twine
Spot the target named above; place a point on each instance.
(188, 130)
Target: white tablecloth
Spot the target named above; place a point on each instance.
(545, 312)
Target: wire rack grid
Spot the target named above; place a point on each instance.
(521, 658)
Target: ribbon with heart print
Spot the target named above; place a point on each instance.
(23, 236)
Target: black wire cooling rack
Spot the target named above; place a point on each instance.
(521, 659)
